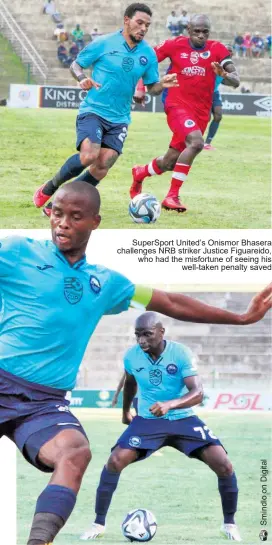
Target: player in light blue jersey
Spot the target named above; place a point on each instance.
(216, 109)
(164, 374)
(118, 61)
(52, 300)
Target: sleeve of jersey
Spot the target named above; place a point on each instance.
(127, 365)
(188, 363)
(222, 54)
(151, 74)
(163, 50)
(90, 53)
(9, 255)
(125, 294)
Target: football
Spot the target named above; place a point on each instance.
(139, 525)
(144, 208)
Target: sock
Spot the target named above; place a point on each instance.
(86, 176)
(70, 169)
(179, 176)
(107, 485)
(228, 489)
(53, 508)
(212, 131)
(152, 168)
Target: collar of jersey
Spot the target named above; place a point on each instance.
(158, 360)
(196, 48)
(62, 257)
(125, 44)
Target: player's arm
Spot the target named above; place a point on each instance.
(166, 82)
(118, 390)
(129, 392)
(228, 72)
(193, 397)
(85, 59)
(188, 309)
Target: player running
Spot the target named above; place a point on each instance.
(52, 300)
(197, 61)
(166, 376)
(118, 61)
(216, 109)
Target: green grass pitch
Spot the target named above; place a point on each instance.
(182, 493)
(228, 188)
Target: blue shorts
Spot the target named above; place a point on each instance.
(217, 99)
(100, 131)
(32, 414)
(146, 435)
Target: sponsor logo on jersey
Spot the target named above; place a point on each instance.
(140, 369)
(134, 441)
(184, 55)
(205, 54)
(194, 71)
(143, 61)
(172, 369)
(194, 57)
(95, 284)
(99, 133)
(127, 64)
(264, 103)
(189, 123)
(73, 290)
(155, 377)
(44, 267)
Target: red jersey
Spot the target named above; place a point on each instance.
(194, 72)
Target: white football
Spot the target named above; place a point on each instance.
(144, 208)
(139, 525)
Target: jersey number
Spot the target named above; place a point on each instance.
(203, 434)
(123, 134)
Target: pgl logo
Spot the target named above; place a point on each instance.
(134, 441)
(205, 54)
(143, 61)
(263, 535)
(73, 290)
(95, 284)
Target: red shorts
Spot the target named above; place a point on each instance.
(182, 122)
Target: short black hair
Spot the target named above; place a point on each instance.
(137, 6)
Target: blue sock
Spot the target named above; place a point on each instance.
(87, 177)
(56, 499)
(107, 485)
(212, 131)
(228, 489)
(73, 167)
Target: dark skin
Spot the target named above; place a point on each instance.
(149, 334)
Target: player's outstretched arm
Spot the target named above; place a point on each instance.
(188, 309)
(118, 390)
(167, 81)
(84, 81)
(192, 398)
(129, 392)
(229, 74)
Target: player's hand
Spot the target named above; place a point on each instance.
(139, 98)
(160, 408)
(87, 83)
(258, 306)
(114, 400)
(169, 80)
(127, 418)
(219, 70)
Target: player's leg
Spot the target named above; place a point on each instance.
(157, 166)
(216, 458)
(67, 454)
(214, 125)
(89, 138)
(118, 460)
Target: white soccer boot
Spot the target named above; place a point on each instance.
(96, 531)
(231, 532)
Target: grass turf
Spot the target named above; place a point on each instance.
(228, 188)
(182, 493)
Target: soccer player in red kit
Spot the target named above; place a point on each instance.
(197, 61)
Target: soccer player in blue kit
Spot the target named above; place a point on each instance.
(52, 300)
(118, 61)
(164, 374)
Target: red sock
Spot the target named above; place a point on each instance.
(179, 176)
(152, 168)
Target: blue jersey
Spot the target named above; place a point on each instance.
(218, 80)
(161, 380)
(50, 309)
(117, 68)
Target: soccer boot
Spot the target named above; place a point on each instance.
(173, 203)
(96, 531)
(209, 147)
(231, 532)
(47, 210)
(138, 175)
(40, 198)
